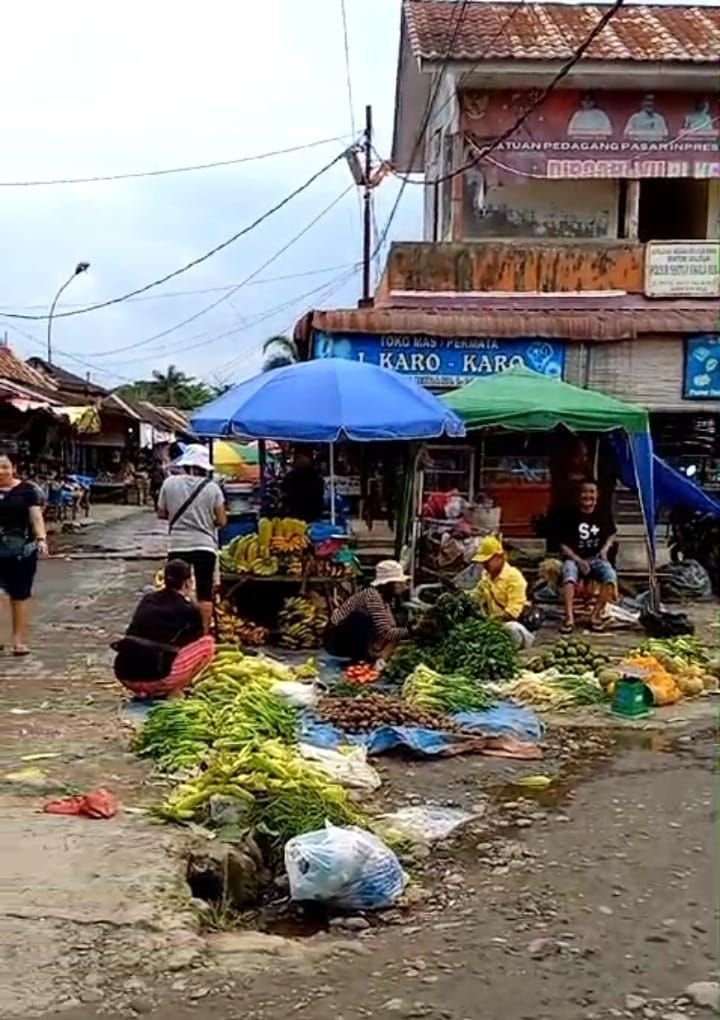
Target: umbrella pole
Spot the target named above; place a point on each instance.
(332, 483)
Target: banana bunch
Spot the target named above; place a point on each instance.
(234, 630)
(287, 535)
(247, 555)
(301, 623)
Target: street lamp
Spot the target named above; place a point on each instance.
(81, 267)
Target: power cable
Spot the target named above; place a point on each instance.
(329, 288)
(537, 102)
(172, 170)
(242, 324)
(263, 281)
(459, 16)
(226, 297)
(348, 74)
(189, 265)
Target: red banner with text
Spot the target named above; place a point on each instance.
(575, 134)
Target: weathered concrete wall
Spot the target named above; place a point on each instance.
(533, 208)
(516, 266)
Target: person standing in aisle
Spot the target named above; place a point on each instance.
(194, 507)
(22, 539)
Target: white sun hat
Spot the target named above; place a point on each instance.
(195, 455)
(389, 572)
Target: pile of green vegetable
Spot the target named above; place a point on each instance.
(275, 792)
(687, 650)
(456, 640)
(438, 692)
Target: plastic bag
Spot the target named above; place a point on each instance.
(98, 803)
(346, 867)
(297, 694)
(349, 768)
(424, 824)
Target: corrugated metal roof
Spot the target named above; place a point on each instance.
(11, 367)
(533, 31)
(594, 320)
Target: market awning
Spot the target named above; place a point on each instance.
(522, 399)
(557, 317)
(85, 419)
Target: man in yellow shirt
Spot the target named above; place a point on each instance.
(502, 590)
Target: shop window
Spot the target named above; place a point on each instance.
(673, 210)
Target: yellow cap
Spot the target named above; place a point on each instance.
(489, 547)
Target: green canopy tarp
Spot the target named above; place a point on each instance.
(522, 399)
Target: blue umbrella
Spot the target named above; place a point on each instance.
(327, 400)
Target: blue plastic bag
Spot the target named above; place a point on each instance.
(345, 867)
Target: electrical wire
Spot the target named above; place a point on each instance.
(459, 17)
(330, 288)
(189, 265)
(172, 170)
(537, 102)
(234, 290)
(242, 324)
(263, 281)
(348, 74)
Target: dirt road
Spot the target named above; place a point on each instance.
(593, 900)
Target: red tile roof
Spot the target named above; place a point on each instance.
(553, 31)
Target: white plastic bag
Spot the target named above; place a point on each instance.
(297, 694)
(348, 768)
(347, 867)
(423, 823)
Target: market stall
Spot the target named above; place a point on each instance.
(522, 400)
(316, 402)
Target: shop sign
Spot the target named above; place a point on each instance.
(443, 362)
(702, 368)
(604, 134)
(686, 269)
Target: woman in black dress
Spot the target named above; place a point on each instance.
(22, 538)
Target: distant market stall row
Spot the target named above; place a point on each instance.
(59, 424)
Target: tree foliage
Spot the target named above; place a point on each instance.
(172, 388)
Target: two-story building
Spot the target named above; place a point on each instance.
(573, 229)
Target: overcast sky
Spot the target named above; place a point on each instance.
(115, 88)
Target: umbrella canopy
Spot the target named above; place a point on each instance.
(522, 399)
(327, 400)
(229, 454)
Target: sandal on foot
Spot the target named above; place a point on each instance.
(20, 652)
(567, 628)
(597, 626)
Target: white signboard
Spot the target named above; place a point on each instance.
(682, 269)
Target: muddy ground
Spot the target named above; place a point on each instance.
(592, 899)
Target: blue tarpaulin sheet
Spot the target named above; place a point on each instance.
(501, 719)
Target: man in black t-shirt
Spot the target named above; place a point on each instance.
(586, 537)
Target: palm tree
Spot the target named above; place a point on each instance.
(279, 351)
(171, 387)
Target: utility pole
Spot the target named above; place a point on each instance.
(367, 300)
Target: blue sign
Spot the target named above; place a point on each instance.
(443, 361)
(702, 368)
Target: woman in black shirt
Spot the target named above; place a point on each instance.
(165, 646)
(22, 537)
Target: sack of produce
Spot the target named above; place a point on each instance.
(347, 867)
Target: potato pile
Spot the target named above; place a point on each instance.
(362, 715)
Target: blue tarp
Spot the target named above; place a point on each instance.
(501, 719)
(325, 401)
(669, 488)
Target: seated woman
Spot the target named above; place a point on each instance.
(165, 646)
(363, 628)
